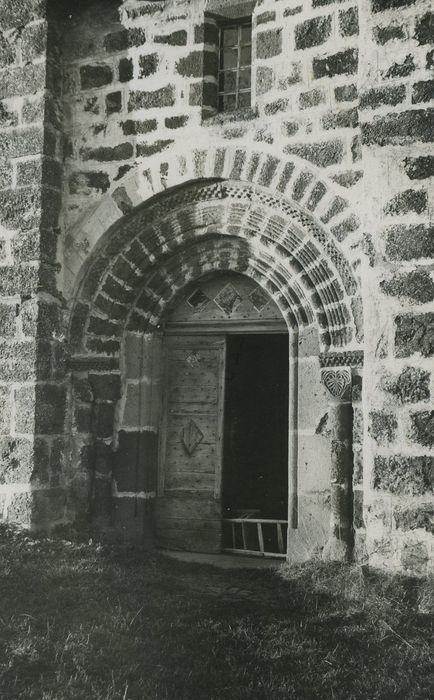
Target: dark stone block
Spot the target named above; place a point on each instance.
(269, 43)
(301, 184)
(175, 122)
(316, 196)
(348, 178)
(404, 202)
(132, 127)
(148, 149)
(311, 99)
(415, 557)
(105, 419)
(382, 96)
(424, 32)
(411, 386)
(399, 128)
(163, 97)
(115, 290)
(358, 521)
(321, 154)
(123, 151)
(279, 105)
(7, 320)
(423, 91)
(103, 326)
(148, 65)
(342, 63)
(346, 93)
(349, 22)
(402, 70)
(406, 242)
(291, 11)
(422, 428)
(412, 476)
(337, 206)
(26, 142)
(178, 38)
(344, 228)
(419, 168)
(198, 64)
(125, 69)
(416, 285)
(105, 386)
(384, 34)
(136, 461)
(415, 518)
(203, 93)
(356, 148)
(113, 102)
(382, 5)
(95, 76)
(264, 79)
(345, 118)
(265, 17)
(383, 427)
(83, 418)
(414, 334)
(49, 404)
(116, 41)
(429, 60)
(80, 181)
(313, 32)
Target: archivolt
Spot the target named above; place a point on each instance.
(142, 263)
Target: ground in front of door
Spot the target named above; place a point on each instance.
(100, 622)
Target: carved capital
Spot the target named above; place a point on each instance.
(338, 382)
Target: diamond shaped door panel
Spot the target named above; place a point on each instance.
(188, 511)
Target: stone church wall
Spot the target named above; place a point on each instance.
(91, 93)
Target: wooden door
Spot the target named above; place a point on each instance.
(188, 509)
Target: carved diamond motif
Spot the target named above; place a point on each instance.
(191, 436)
(258, 298)
(228, 299)
(198, 300)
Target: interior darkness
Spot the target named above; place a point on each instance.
(255, 457)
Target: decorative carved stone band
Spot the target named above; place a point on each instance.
(349, 358)
(338, 382)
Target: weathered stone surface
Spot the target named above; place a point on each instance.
(382, 5)
(197, 64)
(388, 33)
(419, 168)
(390, 95)
(399, 128)
(343, 119)
(403, 69)
(148, 65)
(346, 93)
(113, 102)
(125, 70)
(131, 127)
(341, 63)
(106, 153)
(264, 79)
(404, 202)
(414, 557)
(311, 98)
(415, 518)
(424, 30)
(148, 149)
(414, 334)
(265, 17)
(163, 97)
(105, 386)
(422, 428)
(349, 22)
(15, 14)
(406, 242)
(176, 122)
(269, 43)
(94, 76)
(412, 476)
(410, 386)
(313, 32)
(82, 181)
(423, 91)
(383, 427)
(177, 38)
(417, 286)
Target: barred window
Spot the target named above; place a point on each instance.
(235, 65)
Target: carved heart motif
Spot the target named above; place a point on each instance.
(337, 381)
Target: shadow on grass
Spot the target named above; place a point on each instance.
(89, 621)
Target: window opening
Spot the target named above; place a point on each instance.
(235, 65)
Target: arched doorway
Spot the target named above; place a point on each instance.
(223, 469)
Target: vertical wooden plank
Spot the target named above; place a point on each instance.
(279, 538)
(163, 426)
(233, 536)
(243, 532)
(220, 420)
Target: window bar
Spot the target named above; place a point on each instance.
(260, 537)
(279, 538)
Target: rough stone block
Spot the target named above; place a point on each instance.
(422, 428)
(132, 127)
(415, 557)
(311, 98)
(163, 97)
(417, 286)
(419, 168)
(411, 385)
(412, 476)
(388, 33)
(16, 458)
(113, 103)
(415, 518)
(264, 79)
(136, 461)
(321, 154)
(146, 150)
(25, 142)
(376, 97)
(105, 420)
(414, 334)
(33, 42)
(383, 427)
(406, 242)
(313, 32)
(176, 122)
(407, 201)
(203, 93)
(94, 76)
(341, 63)
(349, 22)
(399, 128)
(22, 81)
(80, 182)
(382, 5)
(423, 91)
(105, 386)
(403, 69)
(346, 93)
(269, 43)
(424, 30)
(122, 151)
(125, 70)
(344, 119)
(177, 38)
(148, 65)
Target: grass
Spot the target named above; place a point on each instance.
(99, 623)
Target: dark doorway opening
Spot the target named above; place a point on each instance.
(255, 453)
